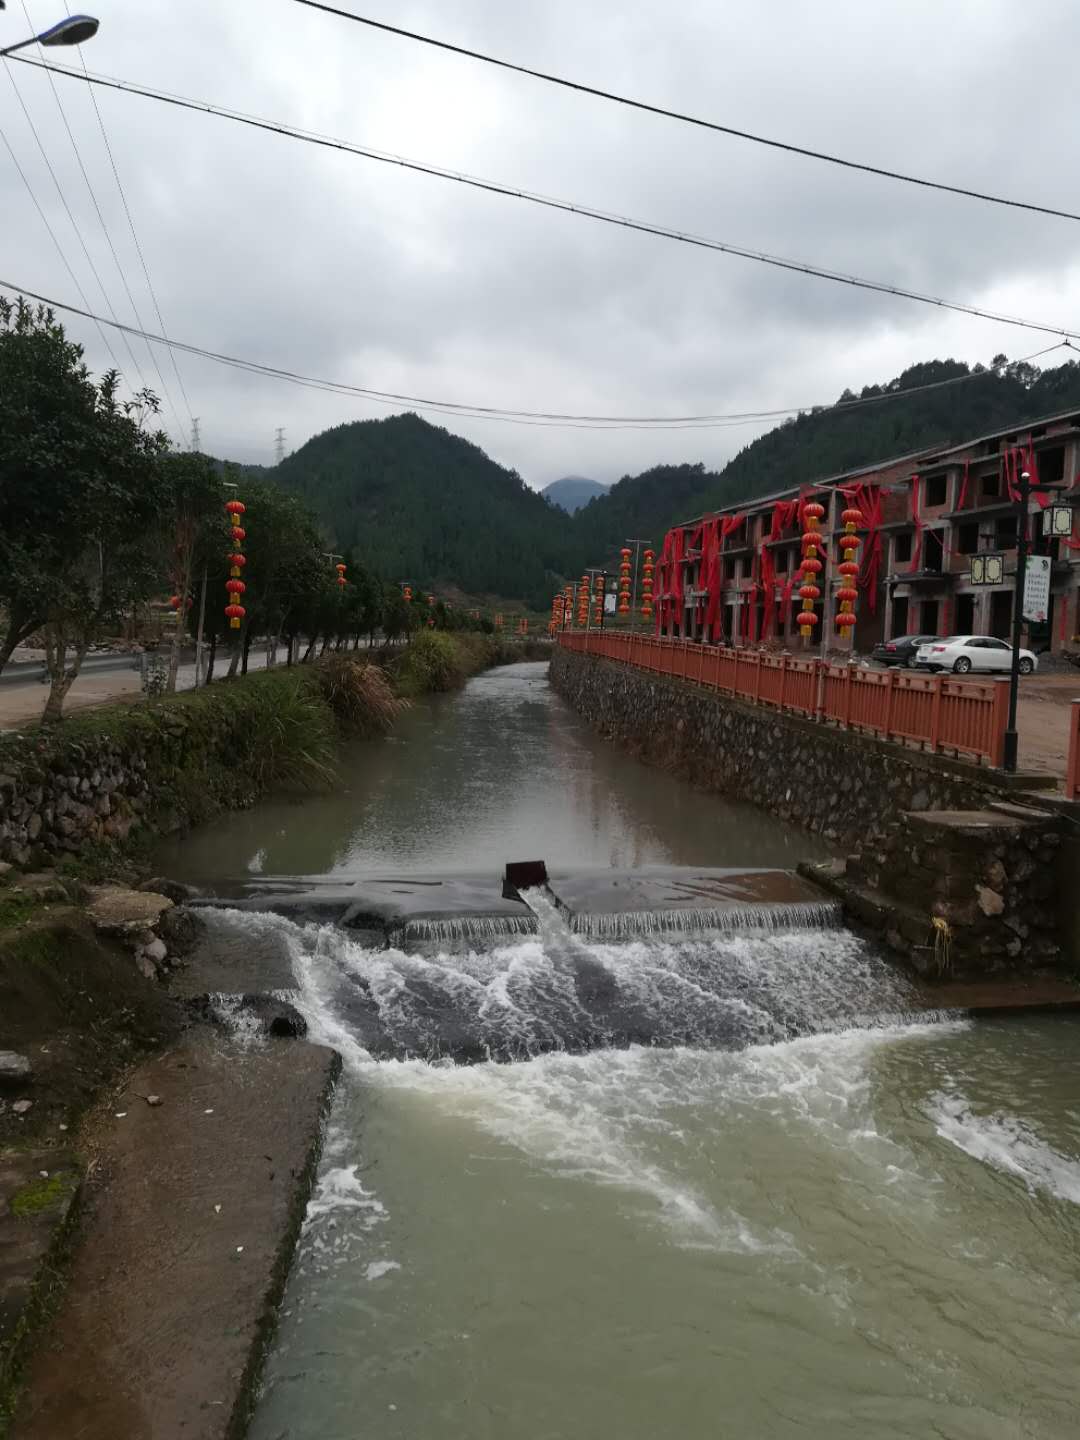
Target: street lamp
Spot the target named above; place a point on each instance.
(72, 31)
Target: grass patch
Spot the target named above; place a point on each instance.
(44, 1194)
(15, 910)
(359, 694)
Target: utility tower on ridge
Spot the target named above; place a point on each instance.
(279, 444)
(196, 438)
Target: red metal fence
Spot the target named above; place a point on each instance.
(933, 712)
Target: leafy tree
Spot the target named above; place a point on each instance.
(195, 507)
(81, 489)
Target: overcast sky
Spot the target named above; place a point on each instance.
(341, 267)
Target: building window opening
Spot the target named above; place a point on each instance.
(933, 551)
(936, 490)
(1005, 532)
(902, 549)
(1051, 465)
(965, 614)
(900, 615)
(990, 485)
(928, 618)
(967, 539)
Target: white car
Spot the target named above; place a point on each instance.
(964, 653)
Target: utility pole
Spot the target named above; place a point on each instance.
(637, 544)
(279, 445)
(196, 438)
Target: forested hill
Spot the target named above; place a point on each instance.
(413, 502)
(829, 441)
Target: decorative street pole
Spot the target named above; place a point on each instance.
(1012, 738)
(637, 544)
(235, 509)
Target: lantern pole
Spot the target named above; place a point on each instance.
(199, 634)
(637, 544)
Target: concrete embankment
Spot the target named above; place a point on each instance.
(189, 1220)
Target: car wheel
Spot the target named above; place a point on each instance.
(1026, 665)
(962, 666)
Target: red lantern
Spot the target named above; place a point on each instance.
(806, 620)
(809, 592)
(235, 507)
(846, 592)
(235, 613)
(849, 567)
(813, 511)
(235, 587)
(845, 618)
(812, 566)
(238, 534)
(812, 539)
(852, 518)
(174, 602)
(237, 560)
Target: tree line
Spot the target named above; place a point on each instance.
(98, 516)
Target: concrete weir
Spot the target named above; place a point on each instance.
(602, 904)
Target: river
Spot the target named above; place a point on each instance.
(802, 1210)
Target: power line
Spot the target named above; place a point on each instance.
(67, 209)
(108, 239)
(625, 222)
(138, 246)
(517, 417)
(686, 119)
(55, 239)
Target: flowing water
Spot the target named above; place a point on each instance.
(694, 1184)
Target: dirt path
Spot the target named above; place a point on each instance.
(1043, 722)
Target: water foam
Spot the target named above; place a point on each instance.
(1008, 1144)
(724, 919)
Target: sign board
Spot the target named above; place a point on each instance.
(1037, 588)
(988, 568)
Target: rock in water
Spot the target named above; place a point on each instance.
(15, 1069)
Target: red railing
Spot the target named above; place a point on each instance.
(1072, 773)
(934, 712)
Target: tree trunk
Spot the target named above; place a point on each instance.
(247, 652)
(234, 663)
(290, 656)
(62, 676)
(210, 662)
(178, 635)
(17, 631)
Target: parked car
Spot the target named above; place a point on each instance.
(971, 652)
(900, 651)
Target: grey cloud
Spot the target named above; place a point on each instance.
(367, 273)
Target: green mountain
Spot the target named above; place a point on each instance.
(830, 440)
(412, 502)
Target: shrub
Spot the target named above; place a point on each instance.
(359, 694)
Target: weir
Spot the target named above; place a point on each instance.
(600, 903)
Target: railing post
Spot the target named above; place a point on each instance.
(999, 724)
(890, 702)
(1072, 774)
(783, 681)
(716, 667)
(848, 682)
(735, 674)
(757, 678)
(935, 712)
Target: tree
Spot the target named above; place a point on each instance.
(195, 500)
(81, 487)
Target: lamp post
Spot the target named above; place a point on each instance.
(73, 31)
(1012, 738)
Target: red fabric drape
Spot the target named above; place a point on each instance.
(768, 586)
(964, 485)
(785, 599)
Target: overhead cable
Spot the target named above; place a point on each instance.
(625, 222)
(694, 120)
(460, 410)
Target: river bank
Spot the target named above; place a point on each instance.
(82, 964)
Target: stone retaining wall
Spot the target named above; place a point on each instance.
(938, 861)
(849, 788)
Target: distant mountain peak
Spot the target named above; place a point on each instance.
(572, 492)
